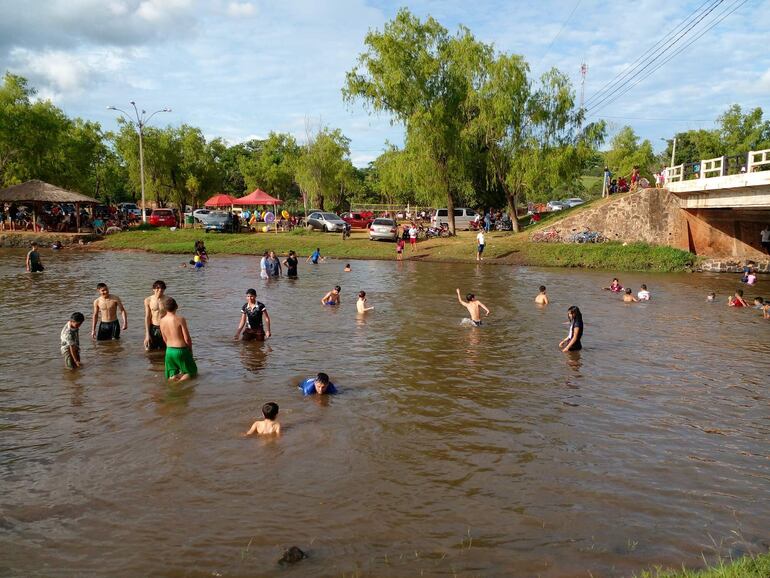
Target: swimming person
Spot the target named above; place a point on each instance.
(252, 313)
(318, 385)
(268, 425)
(315, 256)
(106, 312)
(615, 286)
(347, 268)
(644, 294)
(153, 311)
(759, 302)
(180, 365)
(332, 297)
(291, 263)
(541, 298)
(572, 341)
(33, 263)
(361, 303)
(737, 300)
(70, 341)
(711, 296)
(473, 305)
(628, 297)
(273, 264)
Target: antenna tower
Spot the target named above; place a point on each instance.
(583, 73)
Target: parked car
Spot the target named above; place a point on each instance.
(383, 229)
(219, 221)
(358, 220)
(130, 209)
(555, 206)
(328, 222)
(573, 202)
(463, 217)
(163, 218)
(200, 214)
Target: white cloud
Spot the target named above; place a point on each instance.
(241, 9)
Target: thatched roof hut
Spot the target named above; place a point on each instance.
(39, 192)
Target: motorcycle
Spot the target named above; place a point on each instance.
(441, 231)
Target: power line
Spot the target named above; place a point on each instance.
(724, 14)
(596, 100)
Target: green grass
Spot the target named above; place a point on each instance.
(747, 567)
(506, 248)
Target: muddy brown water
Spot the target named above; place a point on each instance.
(449, 451)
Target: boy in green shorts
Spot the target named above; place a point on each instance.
(70, 341)
(180, 365)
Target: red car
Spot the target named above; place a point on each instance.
(162, 218)
(358, 220)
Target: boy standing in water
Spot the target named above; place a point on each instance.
(106, 312)
(153, 311)
(315, 256)
(361, 303)
(33, 260)
(542, 298)
(70, 341)
(628, 297)
(332, 297)
(180, 365)
(268, 425)
(473, 306)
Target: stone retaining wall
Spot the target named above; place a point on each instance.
(24, 238)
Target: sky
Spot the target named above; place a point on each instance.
(241, 69)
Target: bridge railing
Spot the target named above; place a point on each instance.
(712, 168)
(757, 159)
(754, 161)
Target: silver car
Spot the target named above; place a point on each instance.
(328, 222)
(383, 229)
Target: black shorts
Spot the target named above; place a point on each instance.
(108, 330)
(36, 267)
(156, 339)
(253, 334)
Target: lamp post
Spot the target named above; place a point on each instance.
(673, 149)
(141, 121)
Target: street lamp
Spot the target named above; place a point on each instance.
(673, 149)
(141, 120)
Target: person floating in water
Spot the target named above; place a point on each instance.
(153, 311)
(269, 425)
(180, 365)
(541, 298)
(291, 263)
(347, 268)
(320, 385)
(628, 297)
(332, 297)
(315, 256)
(33, 263)
(70, 341)
(361, 303)
(473, 306)
(615, 286)
(711, 296)
(737, 300)
(572, 341)
(106, 313)
(644, 294)
(251, 323)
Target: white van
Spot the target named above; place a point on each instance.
(463, 217)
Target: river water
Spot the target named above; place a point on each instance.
(449, 451)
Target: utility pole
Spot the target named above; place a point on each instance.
(583, 73)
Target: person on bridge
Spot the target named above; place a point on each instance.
(765, 238)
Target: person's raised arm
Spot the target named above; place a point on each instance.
(267, 323)
(123, 314)
(460, 299)
(241, 325)
(147, 322)
(95, 318)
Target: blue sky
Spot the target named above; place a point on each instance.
(239, 69)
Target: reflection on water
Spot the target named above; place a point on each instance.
(450, 449)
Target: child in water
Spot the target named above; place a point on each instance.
(361, 303)
(737, 300)
(615, 286)
(70, 341)
(711, 296)
(629, 297)
(332, 297)
(541, 298)
(268, 425)
(644, 294)
(320, 385)
(572, 341)
(347, 268)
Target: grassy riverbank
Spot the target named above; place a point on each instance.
(505, 248)
(747, 567)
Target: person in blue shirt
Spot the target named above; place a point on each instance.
(318, 385)
(315, 257)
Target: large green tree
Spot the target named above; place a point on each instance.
(271, 166)
(322, 168)
(626, 152)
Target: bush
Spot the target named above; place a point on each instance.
(146, 227)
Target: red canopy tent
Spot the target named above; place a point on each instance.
(221, 200)
(258, 197)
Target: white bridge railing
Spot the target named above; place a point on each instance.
(708, 168)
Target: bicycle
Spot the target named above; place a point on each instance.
(546, 236)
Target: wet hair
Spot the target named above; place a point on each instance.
(270, 410)
(760, 300)
(628, 291)
(470, 297)
(337, 288)
(77, 317)
(739, 292)
(644, 287)
(291, 253)
(615, 279)
(170, 305)
(251, 292)
(542, 288)
(33, 243)
(159, 285)
(318, 249)
(347, 266)
(322, 378)
(574, 310)
(361, 294)
(101, 286)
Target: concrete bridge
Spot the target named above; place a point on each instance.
(725, 203)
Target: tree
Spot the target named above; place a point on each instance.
(741, 133)
(626, 153)
(321, 166)
(271, 165)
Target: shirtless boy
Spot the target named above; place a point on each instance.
(628, 296)
(106, 313)
(180, 365)
(268, 425)
(153, 311)
(332, 297)
(473, 305)
(541, 298)
(361, 303)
